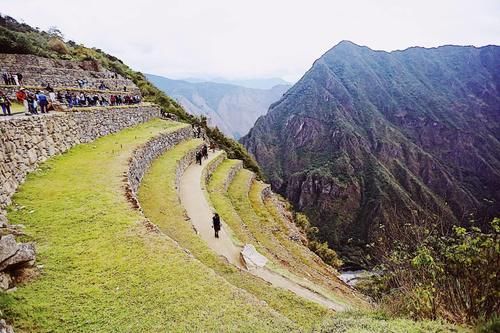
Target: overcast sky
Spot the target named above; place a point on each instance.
(239, 39)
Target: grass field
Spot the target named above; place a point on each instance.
(102, 270)
(161, 205)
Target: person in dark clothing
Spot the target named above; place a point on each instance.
(5, 104)
(198, 157)
(216, 224)
(204, 151)
(20, 78)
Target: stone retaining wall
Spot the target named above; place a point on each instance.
(231, 174)
(266, 193)
(38, 71)
(182, 164)
(27, 141)
(209, 169)
(143, 156)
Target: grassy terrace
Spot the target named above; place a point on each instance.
(244, 194)
(293, 256)
(103, 271)
(244, 211)
(161, 205)
(224, 207)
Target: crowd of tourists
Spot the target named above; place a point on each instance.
(10, 79)
(35, 102)
(44, 101)
(202, 154)
(83, 99)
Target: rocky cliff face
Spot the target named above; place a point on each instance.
(368, 141)
(232, 108)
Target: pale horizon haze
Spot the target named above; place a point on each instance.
(255, 39)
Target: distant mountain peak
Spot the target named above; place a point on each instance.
(368, 138)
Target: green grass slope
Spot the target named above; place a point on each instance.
(160, 202)
(244, 196)
(103, 271)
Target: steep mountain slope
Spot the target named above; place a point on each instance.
(232, 108)
(369, 138)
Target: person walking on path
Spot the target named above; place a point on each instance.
(204, 151)
(198, 157)
(212, 146)
(216, 224)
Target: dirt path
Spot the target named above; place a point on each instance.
(194, 201)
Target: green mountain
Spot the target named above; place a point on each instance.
(368, 141)
(232, 108)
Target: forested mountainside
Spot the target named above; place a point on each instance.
(233, 109)
(368, 141)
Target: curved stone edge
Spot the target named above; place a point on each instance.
(231, 174)
(143, 156)
(210, 168)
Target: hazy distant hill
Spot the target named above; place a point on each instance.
(369, 138)
(267, 83)
(232, 108)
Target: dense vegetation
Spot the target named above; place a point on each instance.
(430, 275)
(20, 38)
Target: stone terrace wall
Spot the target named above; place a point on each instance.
(143, 156)
(231, 174)
(209, 169)
(27, 141)
(38, 71)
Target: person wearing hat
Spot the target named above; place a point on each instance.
(22, 97)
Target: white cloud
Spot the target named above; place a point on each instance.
(259, 38)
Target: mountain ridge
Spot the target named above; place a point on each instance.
(368, 138)
(232, 108)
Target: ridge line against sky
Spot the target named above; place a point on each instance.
(255, 39)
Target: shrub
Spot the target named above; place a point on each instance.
(57, 45)
(328, 255)
(455, 276)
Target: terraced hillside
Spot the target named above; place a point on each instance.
(104, 266)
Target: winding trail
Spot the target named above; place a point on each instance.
(200, 213)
